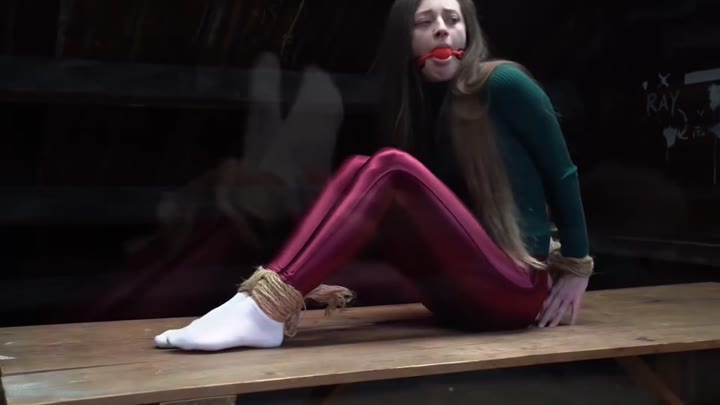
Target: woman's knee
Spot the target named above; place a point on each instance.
(392, 158)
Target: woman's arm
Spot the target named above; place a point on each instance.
(527, 110)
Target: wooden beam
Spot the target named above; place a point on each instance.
(636, 368)
(692, 376)
(677, 372)
(24, 79)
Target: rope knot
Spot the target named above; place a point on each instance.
(279, 300)
(283, 303)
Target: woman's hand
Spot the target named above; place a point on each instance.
(566, 294)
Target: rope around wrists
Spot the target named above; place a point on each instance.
(577, 266)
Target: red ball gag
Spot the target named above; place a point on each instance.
(442, 53)
(439, 53)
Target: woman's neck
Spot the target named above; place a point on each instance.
(434, 94)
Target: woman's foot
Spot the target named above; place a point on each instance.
(239, 322)
(161, 340)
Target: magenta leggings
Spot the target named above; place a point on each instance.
(464, 278)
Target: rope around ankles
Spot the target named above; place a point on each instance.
(283, 303)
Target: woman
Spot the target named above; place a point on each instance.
(464, 211)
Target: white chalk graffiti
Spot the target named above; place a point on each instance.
(663, 103)
(672, 134)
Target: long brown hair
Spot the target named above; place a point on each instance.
(472, 130)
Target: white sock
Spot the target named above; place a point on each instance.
(241, 323)
(161, 340)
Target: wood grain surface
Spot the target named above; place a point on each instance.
(116, 363)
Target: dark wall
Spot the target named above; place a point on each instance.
(103, 112)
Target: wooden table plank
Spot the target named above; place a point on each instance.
(117, 364)
(33, 349)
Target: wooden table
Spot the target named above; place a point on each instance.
(116, 362)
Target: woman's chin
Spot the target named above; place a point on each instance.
(436, 72)
(435, 76)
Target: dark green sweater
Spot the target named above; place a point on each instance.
(536, 157)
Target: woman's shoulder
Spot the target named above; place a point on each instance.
(511, 86)
(511, 78)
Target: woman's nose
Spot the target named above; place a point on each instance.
(441, 32)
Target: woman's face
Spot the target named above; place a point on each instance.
(438, 23)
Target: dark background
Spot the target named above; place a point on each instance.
(104, 106)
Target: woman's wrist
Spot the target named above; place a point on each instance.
(577, 266)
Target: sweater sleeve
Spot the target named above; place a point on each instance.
(527, 110)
